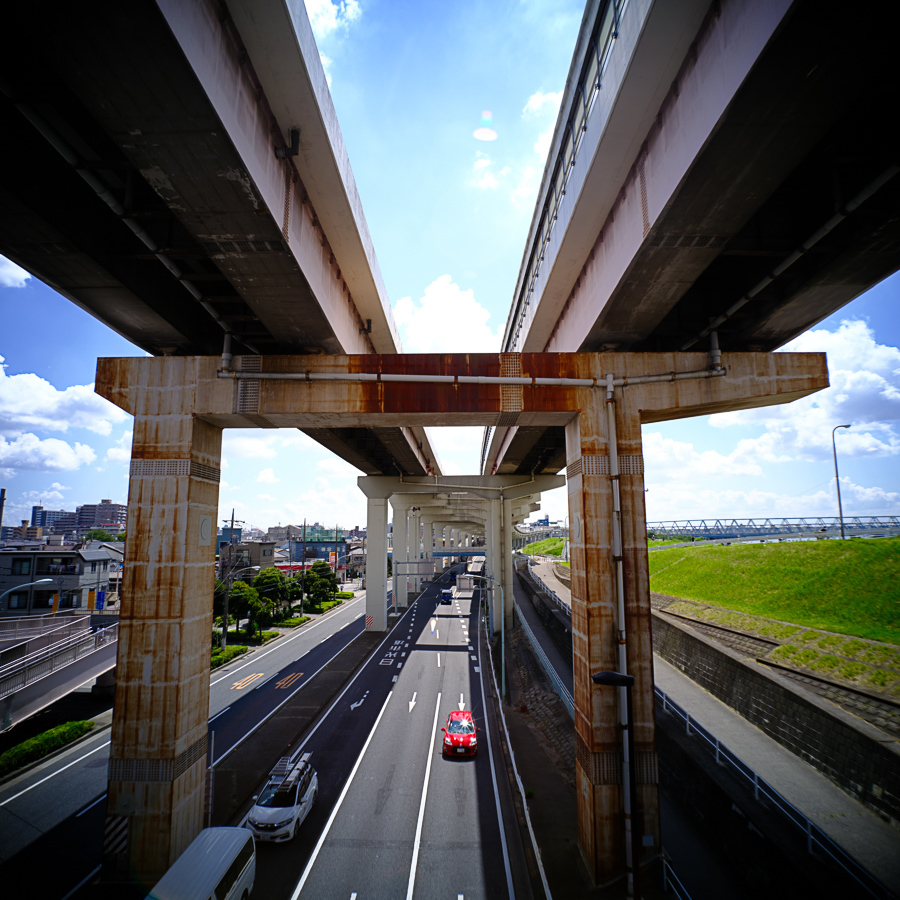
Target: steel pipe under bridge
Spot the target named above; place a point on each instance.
(856, 526)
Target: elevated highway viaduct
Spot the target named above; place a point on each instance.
(722, 176)
(177, 170)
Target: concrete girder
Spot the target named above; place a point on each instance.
(181, 404)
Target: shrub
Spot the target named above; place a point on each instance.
(42, 745)
(345, 595)
(221, 657)
(293, 623)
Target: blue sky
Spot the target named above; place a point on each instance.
(448, 213)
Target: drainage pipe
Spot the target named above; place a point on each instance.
(384, 377)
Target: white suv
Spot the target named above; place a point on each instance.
(285, 801)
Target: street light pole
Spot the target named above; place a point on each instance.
(837, 479)
(502, 634)
(27, 584)
(632, 845)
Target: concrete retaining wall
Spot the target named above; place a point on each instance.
(855, 755)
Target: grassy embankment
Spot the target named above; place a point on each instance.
(548, 547)
(849, 587)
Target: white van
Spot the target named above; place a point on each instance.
(220, 864)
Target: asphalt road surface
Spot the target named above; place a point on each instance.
(57, 811)
(394, 818)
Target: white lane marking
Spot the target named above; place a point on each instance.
(216, 716)
(53, 774)
(412, 702)
(394, 679)
(487, 730)
(439, 634)
(462, 703)
(92, 805)
(266, 718)
(81, 883)
(353, 896)
(439, 660)
(306, 629)
(418, 839)
(360, 701)
(340, 800)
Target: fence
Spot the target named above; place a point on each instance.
(17, 675)
(564, 694)
(764, 792)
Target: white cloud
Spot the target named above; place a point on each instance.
(241, 444)
(28, 451)
(267, 476)
(327, 18)
(488, 181)
(12, 275)
(482, 161)
(446, 319)
(121, 452)
(864, 392)
(542, 104)
(30, 402)
(525, 192)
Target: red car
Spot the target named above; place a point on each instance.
(460, 734)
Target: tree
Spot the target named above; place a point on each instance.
(272, 584)
(98, 534)
(321, 582)
(242, 595)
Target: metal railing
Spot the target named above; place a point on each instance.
(738, 528)
(671, 883)
(564, 693)
(763, 791)
(29, 669)
(27, 626)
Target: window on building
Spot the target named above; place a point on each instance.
(21, 567)
(18, 601)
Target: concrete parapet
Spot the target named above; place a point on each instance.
(858, 757)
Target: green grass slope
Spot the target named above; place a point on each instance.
(548, 547)
(851, 587)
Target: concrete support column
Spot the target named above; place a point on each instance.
(415, 547)
(600, 711)
(428, 544)
(400, 555)
(376, 564)
(157, 760)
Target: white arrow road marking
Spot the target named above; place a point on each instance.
(360, 701)
(462, 703)
(412, 702)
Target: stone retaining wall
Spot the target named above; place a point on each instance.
(859, 758)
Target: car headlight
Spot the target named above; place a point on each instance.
(283, 823)
(253, 822)
(473, 741)
(448, 739)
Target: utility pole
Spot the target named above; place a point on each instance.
(303, 569)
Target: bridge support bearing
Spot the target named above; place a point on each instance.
(157, 759)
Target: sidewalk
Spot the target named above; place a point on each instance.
(861, 833)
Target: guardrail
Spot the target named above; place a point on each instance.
(815, 837)
(550, 592)
(564, 693)
(29, 669)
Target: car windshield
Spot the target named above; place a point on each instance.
(460, 726)
(272, 798)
